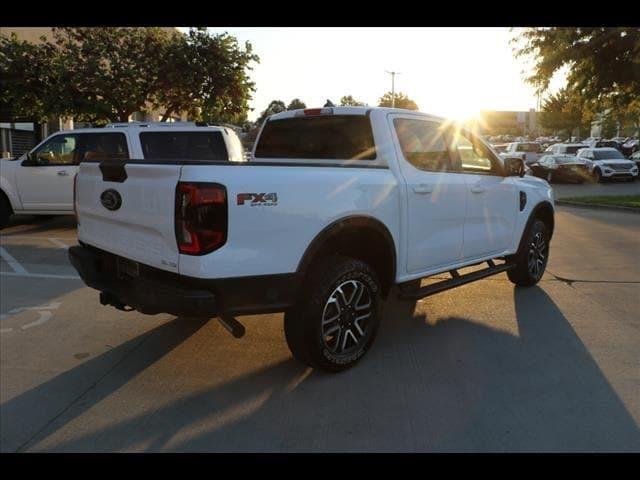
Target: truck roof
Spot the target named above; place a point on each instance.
(148, 126)
(350, 110)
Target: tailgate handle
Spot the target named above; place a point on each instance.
(113, 172)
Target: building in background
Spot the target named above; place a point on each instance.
(508, 123)
(17, 138)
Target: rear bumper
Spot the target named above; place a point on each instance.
(155, 291)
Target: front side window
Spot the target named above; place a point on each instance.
(58, 150)
(424, 144)
(474, 156)
(184, 146)
(322, 137)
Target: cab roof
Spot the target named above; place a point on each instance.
(349, 110)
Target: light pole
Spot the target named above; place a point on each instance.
(393, 87)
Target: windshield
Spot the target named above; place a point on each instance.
(529, 147)
(608, 155)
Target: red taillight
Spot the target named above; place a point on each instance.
(316, 111)
(201, 217)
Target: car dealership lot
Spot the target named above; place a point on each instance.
(485, 367)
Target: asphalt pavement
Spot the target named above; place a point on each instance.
(485, 367)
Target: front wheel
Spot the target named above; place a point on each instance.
(531, 259)
(549, 177)
(337, 316)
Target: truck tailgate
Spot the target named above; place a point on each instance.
(133, 218)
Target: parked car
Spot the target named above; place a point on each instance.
(606, 144)
(630, 147)
(337, 206)
(564, 148)
(40, 182)
(608, 163)
(560, 167)
(500, 148)
(528, 151)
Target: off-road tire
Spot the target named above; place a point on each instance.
(534, 247)
(306, 324)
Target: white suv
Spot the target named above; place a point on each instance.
(40, 182)
(608, 163)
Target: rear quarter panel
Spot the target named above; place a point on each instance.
(270, 239)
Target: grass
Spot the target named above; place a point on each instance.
(632, 201)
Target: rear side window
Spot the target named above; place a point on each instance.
(101, 146)
(330, 137)
(184, 146)
(529, 147)
(573, 150)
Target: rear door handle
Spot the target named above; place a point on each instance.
(477, 190)
(62, 173)
(422, 189)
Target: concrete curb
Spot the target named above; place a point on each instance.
(597, 206)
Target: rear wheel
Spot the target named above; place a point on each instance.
(531, 259)
(597, 176)
(337, 316)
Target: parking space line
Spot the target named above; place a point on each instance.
(58, 243)
(39, 275)
(13, 263)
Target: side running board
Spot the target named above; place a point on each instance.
(456, 280)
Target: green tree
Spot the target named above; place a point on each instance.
(563, 112)
(27, 80)
(102, 74)
(206, 73)
(276, 106)
(402, 101)
(348, 100)
(603, 63)
(296, 104)
(109, 73)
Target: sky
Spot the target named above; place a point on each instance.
(450, 72)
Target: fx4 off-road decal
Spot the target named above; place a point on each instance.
(258, 199)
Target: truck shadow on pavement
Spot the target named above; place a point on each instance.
(456, 385)
(29, 224)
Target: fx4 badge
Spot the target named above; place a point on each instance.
(258, 199)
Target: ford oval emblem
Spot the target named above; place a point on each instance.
(111, 199)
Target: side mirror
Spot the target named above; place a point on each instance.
(514, 167)
(30, 160)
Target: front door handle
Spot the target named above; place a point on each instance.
(477, 190)
(62, 173)
(423, 189)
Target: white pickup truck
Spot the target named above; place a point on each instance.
(40, 182)
(529, 152)
(335, 207)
